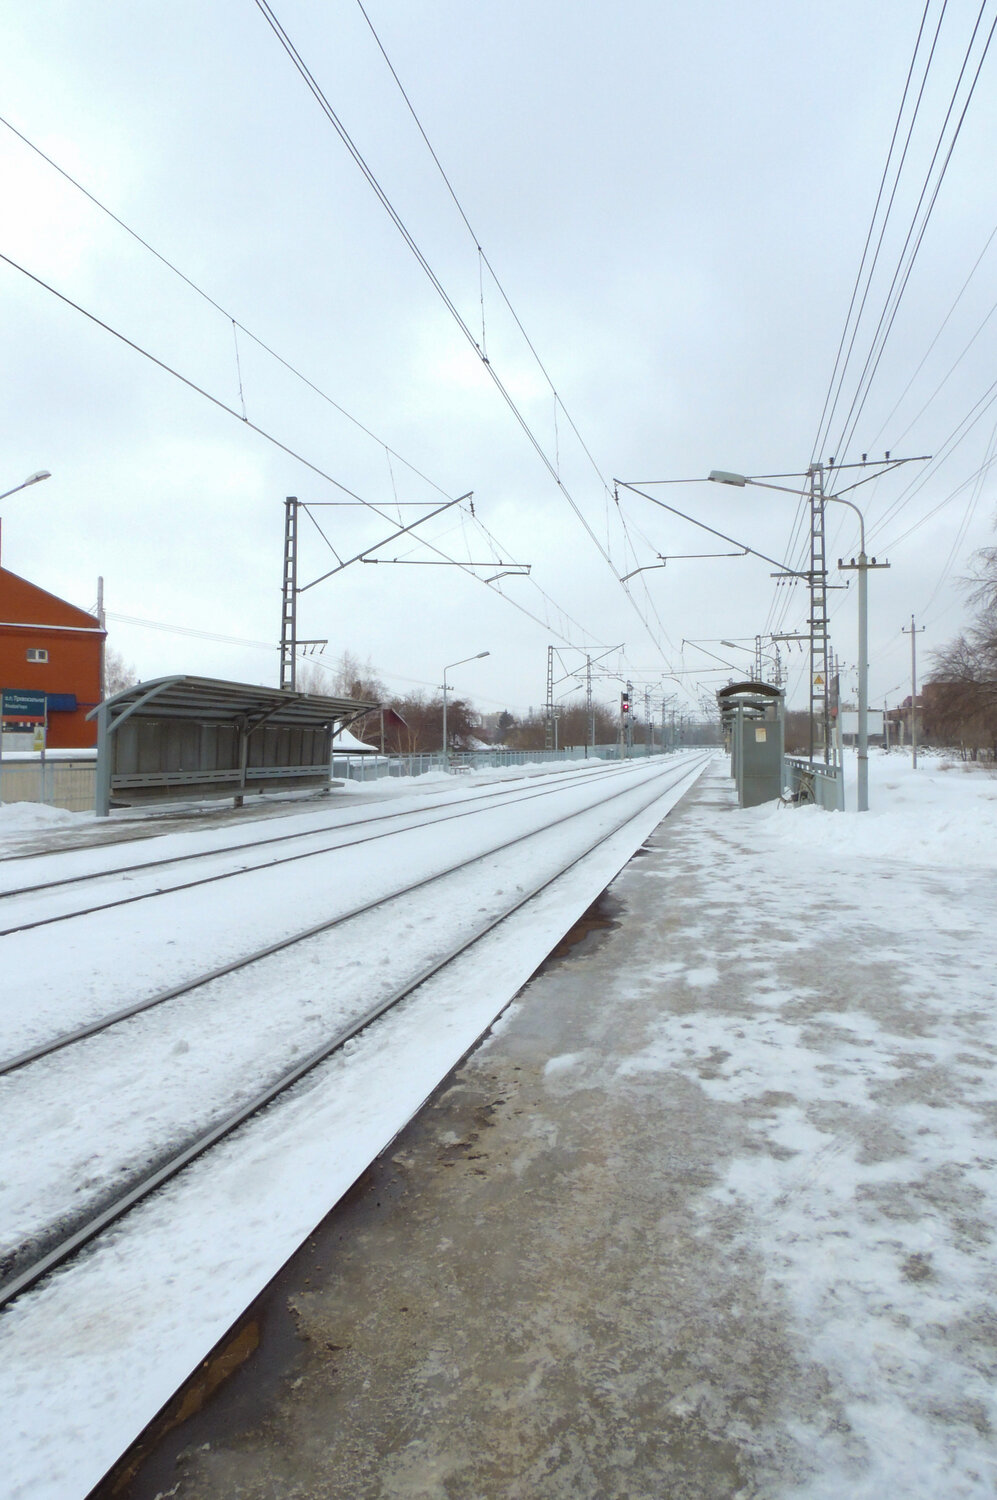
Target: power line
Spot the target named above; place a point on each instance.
(888, 316)
(320, 98)
(934, 341)
(267, 349)
(907, 256)
(951, 370)
(260, 431)
(206, 296)
(943, 454)
(967, 518)
(868, 240)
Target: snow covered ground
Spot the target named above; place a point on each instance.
(88, 1358)
(824, 987)
(709, 1215)
(846, 1023)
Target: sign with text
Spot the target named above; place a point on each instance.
(22, 706)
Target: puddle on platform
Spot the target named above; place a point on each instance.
(588, 932)
(230, 1388)
(236, 1387)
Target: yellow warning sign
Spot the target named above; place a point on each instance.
(818, 680)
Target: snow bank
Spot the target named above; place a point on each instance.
(34, 817)
(943, 812)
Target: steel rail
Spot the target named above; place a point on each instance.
(249, 844)
(94, 1028)
(23, 1280)
(251, 869)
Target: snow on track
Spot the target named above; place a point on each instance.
(89, 1356)
(128, 951)
(215, 1048)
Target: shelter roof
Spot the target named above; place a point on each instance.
(343, 740)
(214, 701)
(749, 689)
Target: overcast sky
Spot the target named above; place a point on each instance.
(675, 199)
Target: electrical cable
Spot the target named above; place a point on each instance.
(952, 368)
(968, 514)
(477, 243)
(888, 315)
(839, 370)
(944, 452)
(236, 324)
(315, 89)
(928, 351)
(253, 427)
(868, 240)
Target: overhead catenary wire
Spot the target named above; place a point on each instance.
(254, 427)
(238, 326)
(270, 646)
(827, 415)
(225, 313)
(370, 177)
(482, 257)
(904, 269)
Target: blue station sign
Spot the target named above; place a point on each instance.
(22, 706)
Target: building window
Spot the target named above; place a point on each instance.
(37, 653)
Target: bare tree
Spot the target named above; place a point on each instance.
(960, 698)
(118, 673)
(530, 733)
(354, 678)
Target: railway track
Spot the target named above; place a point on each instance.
(396, 820)
(117, 1186)
(16, 1061)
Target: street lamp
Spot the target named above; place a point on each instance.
(31, 479)
(721, 476)
(480, 654)
(758, 655)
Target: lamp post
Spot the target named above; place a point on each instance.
(480, 654)
(862, 567)
(758, 655)
(31, 479)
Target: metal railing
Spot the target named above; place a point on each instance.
(812, 782)
(375, 767)
(69, 784)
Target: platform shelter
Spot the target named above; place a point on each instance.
(754, 727)
(194, 737)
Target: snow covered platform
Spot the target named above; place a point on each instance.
(710, 1214)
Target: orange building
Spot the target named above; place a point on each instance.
(49, 646)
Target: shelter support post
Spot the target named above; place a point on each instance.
(102, 784)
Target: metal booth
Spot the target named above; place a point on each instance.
(754, 728)
(194, 737)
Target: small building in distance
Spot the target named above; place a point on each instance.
(48, 645)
